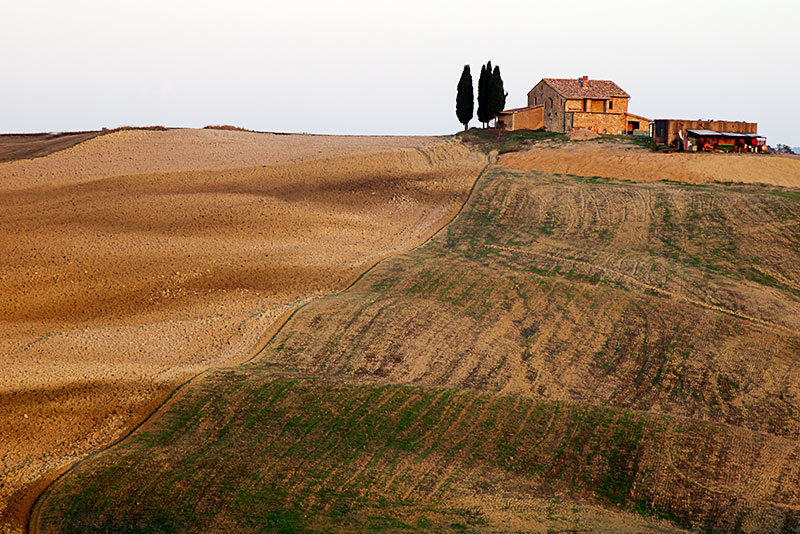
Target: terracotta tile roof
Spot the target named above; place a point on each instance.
(571, 88)
(638, 117)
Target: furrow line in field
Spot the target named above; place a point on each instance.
(656, 289)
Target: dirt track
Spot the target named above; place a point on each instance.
(591, 158)
(136, 259)
(20, 146)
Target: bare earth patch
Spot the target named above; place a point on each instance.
(582, 135)
(145, 151)
(137, 259)
(640, 165)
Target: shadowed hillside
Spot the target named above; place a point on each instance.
(128, 264)
(571, 354)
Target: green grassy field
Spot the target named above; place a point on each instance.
(571, 354)
(249, 451)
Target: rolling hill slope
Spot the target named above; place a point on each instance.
(611, 157)
(137, 259)
(572, 353)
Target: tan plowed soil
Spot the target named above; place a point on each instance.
(567, 346)
(137, 259)
(593, 158)
(146, 151)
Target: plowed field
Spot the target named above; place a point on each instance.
(137, 259)
(571, 354)
(144, 151)
(613, 160)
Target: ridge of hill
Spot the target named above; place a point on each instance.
(571, 353)
(128, 152)
(592, 158)
(23, 146)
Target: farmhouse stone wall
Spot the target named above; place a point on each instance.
(620, 105)
(603, 115)
(531, 119)
(611, 123)
(574, 105)
(596, 106)
(554, 104)
(522, 119)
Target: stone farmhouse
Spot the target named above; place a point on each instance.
(563, 105)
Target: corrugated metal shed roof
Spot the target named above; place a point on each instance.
(712, 133)
(704, 133)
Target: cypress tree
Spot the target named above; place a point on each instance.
(465, 98)
(497, 94)
(484, 94)
(481, 94)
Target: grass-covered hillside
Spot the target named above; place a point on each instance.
(571, 354)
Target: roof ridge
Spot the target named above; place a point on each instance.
(575, 88)
(580, 78)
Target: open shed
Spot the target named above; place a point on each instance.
(673, 131)
(713, 141)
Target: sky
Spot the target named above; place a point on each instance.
(377, 67)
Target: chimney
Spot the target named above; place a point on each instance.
(584, 81)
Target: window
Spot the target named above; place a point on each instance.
(610, 104)
(550, 103)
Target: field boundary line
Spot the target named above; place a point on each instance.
(34, 517)
(369, 270)
(740, 493)
(650, 287)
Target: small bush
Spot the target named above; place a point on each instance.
(225, 127)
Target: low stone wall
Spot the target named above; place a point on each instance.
(530, 119)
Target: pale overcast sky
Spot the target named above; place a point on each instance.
(375, 67)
